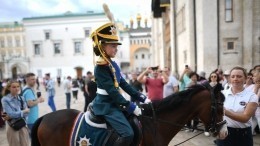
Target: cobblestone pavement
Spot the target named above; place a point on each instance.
(60, 100)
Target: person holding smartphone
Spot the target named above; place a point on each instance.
(32, 99)
(15, 107)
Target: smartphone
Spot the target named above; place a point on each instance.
(39, 94)
(4, 114)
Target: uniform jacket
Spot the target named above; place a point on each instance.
(103, 104)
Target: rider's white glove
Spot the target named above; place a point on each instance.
(147, 100)
(137, 111)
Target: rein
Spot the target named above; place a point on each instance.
(214, 125)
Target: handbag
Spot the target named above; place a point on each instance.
(17, 123)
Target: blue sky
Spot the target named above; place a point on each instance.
(123, 10)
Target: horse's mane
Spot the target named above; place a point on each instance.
(175, 100)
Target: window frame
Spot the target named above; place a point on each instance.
(80, 48)
(230, 10)
(54, 47)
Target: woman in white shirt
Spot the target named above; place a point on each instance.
(239, 107)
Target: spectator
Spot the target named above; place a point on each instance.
(15, 107)
(37, 83)
(194, 80)
(2, 123)
(239, 107)
(202, 77)
(67, 89)
(58, 81)
(214, 79)
(256, 90)
(86, 89)
(172, 85)
(75, 89)
(50, 88)
(91, 89)
(31, 99)
(136, 84)
(154, 84)
(184, 78)
(226, 83)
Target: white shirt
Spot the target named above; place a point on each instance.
(67, 86)
(237, 103)
(168, 87)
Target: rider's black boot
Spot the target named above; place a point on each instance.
(121, 141)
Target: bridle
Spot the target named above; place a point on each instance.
(214, 126)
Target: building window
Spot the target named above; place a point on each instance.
(136, 56)
(230, 45)
(2, 43)
(180, 21)
(37, 49)
(59, 72)
(229, 10)
(39, 73)
(142, 56)
(87, 33)
(47, 35)
(17, 42)
(57, 48)
(9, 42)
(77, 47)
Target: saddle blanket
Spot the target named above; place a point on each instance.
(87, 133)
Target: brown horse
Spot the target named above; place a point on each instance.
(161, 121)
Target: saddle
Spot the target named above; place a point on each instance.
(113, 136)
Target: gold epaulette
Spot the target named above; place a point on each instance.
(101, 61)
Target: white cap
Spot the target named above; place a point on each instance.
(227, 72)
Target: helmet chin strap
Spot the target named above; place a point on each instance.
(103, 55)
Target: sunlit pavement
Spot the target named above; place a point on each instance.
(60, 102)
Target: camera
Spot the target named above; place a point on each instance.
(155, 68)
(39, 94)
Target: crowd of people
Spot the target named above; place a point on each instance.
(103, 90)
(240, 87)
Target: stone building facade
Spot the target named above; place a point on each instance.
(209, 34)
(61, 44)
(13, 62)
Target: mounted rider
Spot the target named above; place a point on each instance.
(109, 102)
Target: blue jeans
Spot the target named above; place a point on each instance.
(51, 103)
(68, 98)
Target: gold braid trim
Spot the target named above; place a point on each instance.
(113, 37)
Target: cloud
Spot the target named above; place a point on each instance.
(122, 10)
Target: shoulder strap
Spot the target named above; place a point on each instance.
(21, 101)
(23, 91)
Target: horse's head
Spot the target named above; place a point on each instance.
(217, 126)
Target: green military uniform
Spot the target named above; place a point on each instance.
(109, 102)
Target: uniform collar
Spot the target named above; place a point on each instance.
(229, 92)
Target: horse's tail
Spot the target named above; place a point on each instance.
(34, 135)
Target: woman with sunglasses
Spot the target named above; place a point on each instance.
(12, 106)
